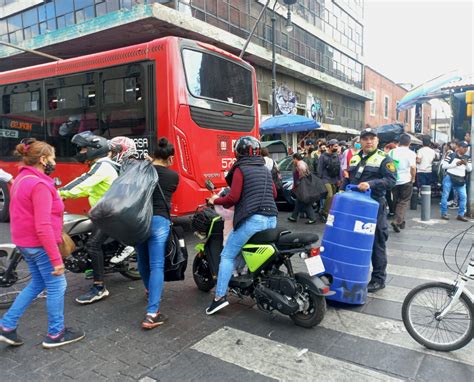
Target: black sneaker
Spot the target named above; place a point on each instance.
(375, 286)
(217, 305)
(68, 336)
(395, 227)
(402, 226)
(151, 322)
(291, 219)
(10, 337)
(311, 222)
(96, 293)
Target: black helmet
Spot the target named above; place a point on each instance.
(97, 147)
(247, 147)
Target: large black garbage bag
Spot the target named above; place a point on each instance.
(125, 211)
(310, 189)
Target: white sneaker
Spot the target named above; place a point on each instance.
(127, 251)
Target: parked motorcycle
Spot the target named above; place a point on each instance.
(117, 258)
(270, 280)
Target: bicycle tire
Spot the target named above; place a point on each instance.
(460, 342)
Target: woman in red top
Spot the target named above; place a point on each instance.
(36, 213)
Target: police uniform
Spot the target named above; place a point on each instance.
(378, 170)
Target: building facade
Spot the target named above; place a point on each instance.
(382, 109)
(319, 62)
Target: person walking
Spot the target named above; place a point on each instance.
(424, 163)
(36, 213)
(373, 169)
(151, 254)
(253, 194)
(329, 169)
(457, 165)
(300, 171)
(406, 176)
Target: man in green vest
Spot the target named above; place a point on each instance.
(373, 169)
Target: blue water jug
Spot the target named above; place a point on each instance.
(347, 241)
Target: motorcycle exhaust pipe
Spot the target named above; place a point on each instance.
(283, 304)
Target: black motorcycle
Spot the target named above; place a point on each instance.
(268, 275)
(117, 258)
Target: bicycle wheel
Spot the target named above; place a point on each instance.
(11, 287)
(421, 308)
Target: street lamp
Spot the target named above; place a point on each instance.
(288, 27)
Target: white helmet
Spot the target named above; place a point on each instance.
(123, 148)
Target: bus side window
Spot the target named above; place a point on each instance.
(20, 115)
(123, 109)
(70, 109)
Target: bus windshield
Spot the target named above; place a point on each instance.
(205, 73)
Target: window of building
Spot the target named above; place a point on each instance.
(329, 109)
(385, 106)
(373, 103)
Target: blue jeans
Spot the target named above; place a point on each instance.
(41, 278)
(151, 261)
(234, 244)
(461, 190)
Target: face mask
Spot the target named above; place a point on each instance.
(358, 146)
(49, 168)
(81, 157)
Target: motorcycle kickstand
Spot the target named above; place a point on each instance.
(236, 293)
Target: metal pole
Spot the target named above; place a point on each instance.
(31, 51)
(436, 123)
(253, 29)
(273, 64)
(425, 203)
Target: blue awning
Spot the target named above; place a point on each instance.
(288, 123)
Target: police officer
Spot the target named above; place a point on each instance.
(373, 169)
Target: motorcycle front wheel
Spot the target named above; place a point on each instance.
(420, 311)
(131, 267)
(11, 288)
(315, 306)
(202, 273)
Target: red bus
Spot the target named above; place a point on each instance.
(197, 95)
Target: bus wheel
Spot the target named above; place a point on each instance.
(4, 202)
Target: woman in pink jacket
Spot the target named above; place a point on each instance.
(36, 213)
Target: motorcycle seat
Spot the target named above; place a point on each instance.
(297, 239)
(267, 236)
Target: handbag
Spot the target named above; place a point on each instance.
(67, 245)
(176, 255)
(310, 189)
(457, 181)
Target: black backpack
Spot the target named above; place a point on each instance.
(333, 166)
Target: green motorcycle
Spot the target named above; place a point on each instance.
(268, 276)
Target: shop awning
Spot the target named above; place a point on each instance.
(288, 123)
(337, 129)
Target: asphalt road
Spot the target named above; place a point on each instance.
(241, 343)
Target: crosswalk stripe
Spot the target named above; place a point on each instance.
(391, 293)
(280, 361)
(434, 257)
(391, 332)
(423, 274)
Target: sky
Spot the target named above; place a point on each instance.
(413, 41)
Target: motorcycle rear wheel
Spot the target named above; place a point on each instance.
(315, 311)
(202, 274)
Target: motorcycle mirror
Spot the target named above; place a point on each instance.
(209, 185)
